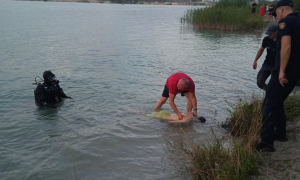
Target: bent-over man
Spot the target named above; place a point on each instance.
(179, 83)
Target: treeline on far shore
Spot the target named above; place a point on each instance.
(229, 15)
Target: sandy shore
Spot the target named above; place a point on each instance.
(284, 163)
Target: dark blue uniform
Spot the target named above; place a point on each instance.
(269, 63)
(274, 120)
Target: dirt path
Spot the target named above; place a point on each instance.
(284, 163)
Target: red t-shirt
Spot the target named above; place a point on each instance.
(173, 80)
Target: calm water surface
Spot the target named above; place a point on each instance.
(113, 60)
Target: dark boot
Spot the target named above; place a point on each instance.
(263, 147)
(280, 138)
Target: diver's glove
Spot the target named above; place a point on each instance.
(50, 105)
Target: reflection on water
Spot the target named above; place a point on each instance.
(114, 61)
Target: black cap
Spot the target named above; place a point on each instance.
(282, 3)
(272, 28)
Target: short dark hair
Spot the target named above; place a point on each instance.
(187, 83)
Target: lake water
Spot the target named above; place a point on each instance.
(114, 61)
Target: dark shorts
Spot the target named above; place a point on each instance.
(166, 92)
(253, 10)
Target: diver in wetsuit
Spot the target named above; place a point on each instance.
(49, 92)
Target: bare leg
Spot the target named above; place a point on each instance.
(161, 101)
(189, 104)
(173, 118)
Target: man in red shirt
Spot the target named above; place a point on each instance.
(179, 83)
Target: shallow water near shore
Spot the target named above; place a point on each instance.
(114, 61)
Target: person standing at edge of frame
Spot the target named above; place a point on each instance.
(283, 79)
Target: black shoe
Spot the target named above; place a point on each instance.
(281, 138)
(262, 147)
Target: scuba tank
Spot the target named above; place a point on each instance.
(37, 83)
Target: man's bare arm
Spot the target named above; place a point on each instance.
(258, 55)
(173, 106)
(194, 103)
(172, 103)
(285, 52)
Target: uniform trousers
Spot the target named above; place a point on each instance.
(273, 114)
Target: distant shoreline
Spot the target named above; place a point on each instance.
(146, 3)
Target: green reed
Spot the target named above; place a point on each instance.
(245, 116)
(292, 107)
(215, 161)
(225, 15)
(245, 120)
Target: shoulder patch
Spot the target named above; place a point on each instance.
(282, 25)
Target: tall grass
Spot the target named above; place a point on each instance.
(292, 107)
(237, 160)
(245, 120)
(245, 116)
(225, 15)
(216, 161)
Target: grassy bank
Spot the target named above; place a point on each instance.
(216, 161)
(235, 159)
(225, 15)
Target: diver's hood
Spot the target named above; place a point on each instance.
(49, 77)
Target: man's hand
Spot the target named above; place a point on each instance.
(254, 65)
(180, 116)
(282, 79)
(195, 113)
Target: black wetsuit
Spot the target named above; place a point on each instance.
(49, 94)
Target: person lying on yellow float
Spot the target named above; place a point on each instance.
(173, 118)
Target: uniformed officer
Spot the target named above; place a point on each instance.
(283, 79)
(49, 93)
(269, 43)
